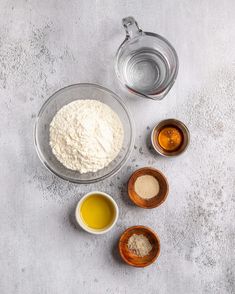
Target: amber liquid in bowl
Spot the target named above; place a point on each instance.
(170, 138)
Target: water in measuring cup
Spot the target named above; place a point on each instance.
(146, 71)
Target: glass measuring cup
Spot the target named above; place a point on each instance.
(146, 63)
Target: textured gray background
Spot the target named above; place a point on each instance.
(45, 45)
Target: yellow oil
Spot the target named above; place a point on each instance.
(97, 211)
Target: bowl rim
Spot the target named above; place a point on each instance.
(121, 164)
(180, 125)
(139, 227)
(133, 199)
(83, 225)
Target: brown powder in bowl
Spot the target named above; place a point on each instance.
(139, 244)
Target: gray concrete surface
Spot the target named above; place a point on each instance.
(45, 45)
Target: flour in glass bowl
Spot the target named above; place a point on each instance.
(86, 135)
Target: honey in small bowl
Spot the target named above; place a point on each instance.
(170, 137)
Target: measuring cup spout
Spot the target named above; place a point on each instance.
(131, 27)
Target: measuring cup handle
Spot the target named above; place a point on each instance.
(131, 27)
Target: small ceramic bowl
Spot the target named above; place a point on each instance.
(156, 200)
(81, 222)
(131, 258)
(173, 123)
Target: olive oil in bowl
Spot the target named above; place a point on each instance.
(97, 212)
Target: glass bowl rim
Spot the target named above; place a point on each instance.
(113, 171)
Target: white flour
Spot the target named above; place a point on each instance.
(86, 135)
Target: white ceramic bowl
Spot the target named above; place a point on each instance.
(81, 222)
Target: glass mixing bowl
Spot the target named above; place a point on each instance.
(65, 96)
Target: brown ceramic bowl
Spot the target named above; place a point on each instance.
(156, 200)
(131, 258)
(170, 123)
